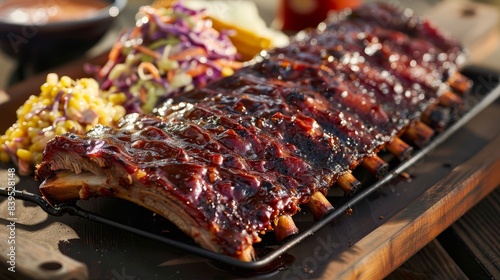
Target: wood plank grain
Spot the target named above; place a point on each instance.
(479, 231)
(30, 259)
(474, 24)
(432, 262)
(390, 245)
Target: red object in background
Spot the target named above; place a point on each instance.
(295, 15)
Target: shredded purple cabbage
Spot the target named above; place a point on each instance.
(165, 33)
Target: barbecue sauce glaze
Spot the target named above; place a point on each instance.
(248, 148)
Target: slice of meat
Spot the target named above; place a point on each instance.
(192, 173)
(154, 173)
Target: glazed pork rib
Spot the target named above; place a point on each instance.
(231, 161)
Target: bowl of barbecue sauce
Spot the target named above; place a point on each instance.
(44, 33)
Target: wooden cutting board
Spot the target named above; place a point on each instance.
(26, 259)
(395, 241)
(380, 251)
(476, 25)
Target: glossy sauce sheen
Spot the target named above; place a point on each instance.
(253, 146)
(41, 12)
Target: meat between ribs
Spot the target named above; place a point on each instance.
(226, 161)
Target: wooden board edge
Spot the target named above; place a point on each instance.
(25, 259)
(386, 248)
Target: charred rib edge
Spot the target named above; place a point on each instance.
(87, 180)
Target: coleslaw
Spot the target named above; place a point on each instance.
(169, 51)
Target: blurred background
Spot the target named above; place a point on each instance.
(486, 21)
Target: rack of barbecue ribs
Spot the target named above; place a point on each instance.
(238, 158)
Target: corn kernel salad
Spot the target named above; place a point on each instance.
(63, 105)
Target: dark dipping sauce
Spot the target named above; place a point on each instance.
(43, 12)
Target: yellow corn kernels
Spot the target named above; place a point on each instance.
(62, 106)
